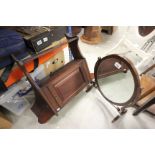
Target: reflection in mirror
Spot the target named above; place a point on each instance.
(115, 81)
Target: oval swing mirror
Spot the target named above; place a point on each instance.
(117, 80)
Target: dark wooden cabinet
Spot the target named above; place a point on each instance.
(53, 92)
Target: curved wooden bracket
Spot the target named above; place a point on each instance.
(36, 88)
(73, 46)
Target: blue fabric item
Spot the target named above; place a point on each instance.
(9, 37)
(11, 42)
(8, 60)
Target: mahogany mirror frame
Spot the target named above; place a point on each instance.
(137, 89)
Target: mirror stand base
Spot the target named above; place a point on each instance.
(121, 111)
(90, 86)
(115, 119)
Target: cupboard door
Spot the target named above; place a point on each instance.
(48, 93)
(70, 83)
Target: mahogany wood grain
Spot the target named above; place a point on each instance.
(145, 30)
(54, 91)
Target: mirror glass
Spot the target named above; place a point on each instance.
(115, 80)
